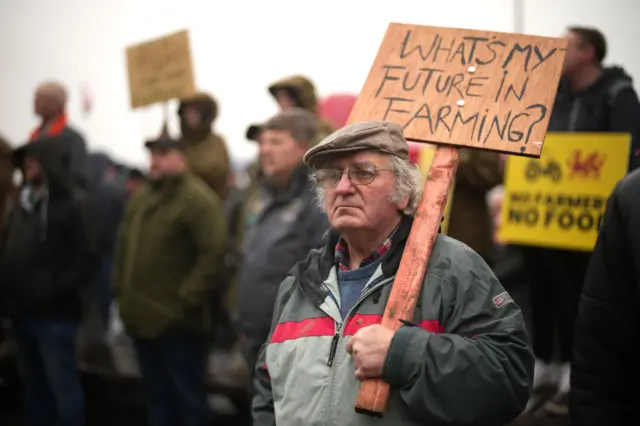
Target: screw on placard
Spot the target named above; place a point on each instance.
(460, 103)
(537, 143)
(471, 69)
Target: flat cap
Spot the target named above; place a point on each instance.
(164, 143)
(381, 136)
(302, 124)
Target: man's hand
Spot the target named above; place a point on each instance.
(368, 347)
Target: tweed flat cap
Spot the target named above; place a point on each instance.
(381, 136)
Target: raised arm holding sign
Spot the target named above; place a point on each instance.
(455, 88)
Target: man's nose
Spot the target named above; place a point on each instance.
(344, 185)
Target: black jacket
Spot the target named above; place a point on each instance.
(72, 146)
(44, 253)
(606, 355)
(609, 105)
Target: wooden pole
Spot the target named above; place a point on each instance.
(373, 395)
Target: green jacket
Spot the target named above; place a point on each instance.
(464, 360)
(169, 256)
(206, 151)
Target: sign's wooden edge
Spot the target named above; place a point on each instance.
(155, 39)
(559, 39)
(481, 148)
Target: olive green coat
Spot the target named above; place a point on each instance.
(169, 258)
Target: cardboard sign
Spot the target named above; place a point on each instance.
(160, 70)
(559, 200)
(470, 88)
(424, 163)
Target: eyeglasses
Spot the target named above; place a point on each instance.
(358, 175)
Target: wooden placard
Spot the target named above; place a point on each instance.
(160, 70)
(476, 89)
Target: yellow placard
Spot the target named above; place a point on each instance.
(160, 70)
(558, 200)
(424, 164)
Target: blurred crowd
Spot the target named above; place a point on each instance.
(183, 261)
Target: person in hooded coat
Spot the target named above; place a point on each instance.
(206, 151)
(45, 261)
(296, 91)
(299, 91)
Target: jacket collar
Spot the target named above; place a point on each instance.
(54, 128)
(312, 272)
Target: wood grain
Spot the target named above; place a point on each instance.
(373, 395)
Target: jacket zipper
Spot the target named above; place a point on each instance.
(339, 330)
(336, 337)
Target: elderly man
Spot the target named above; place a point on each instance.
(464, 359)
(50, 105)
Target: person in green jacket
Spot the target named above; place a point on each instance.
(169, 258)
(206, 151)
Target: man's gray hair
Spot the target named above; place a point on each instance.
(408, 182)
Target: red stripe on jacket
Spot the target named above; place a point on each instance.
(358, 321)
(325, 326)
(311, 327)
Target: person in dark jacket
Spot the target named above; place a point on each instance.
(595, 98)
(107, 201)
(44, 263)
(282, 223)
(591, 98)
(50, 105)
(605, 371)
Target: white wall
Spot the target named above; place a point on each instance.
(239, 47)
(617, 19)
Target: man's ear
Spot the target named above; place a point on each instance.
(402, 204)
